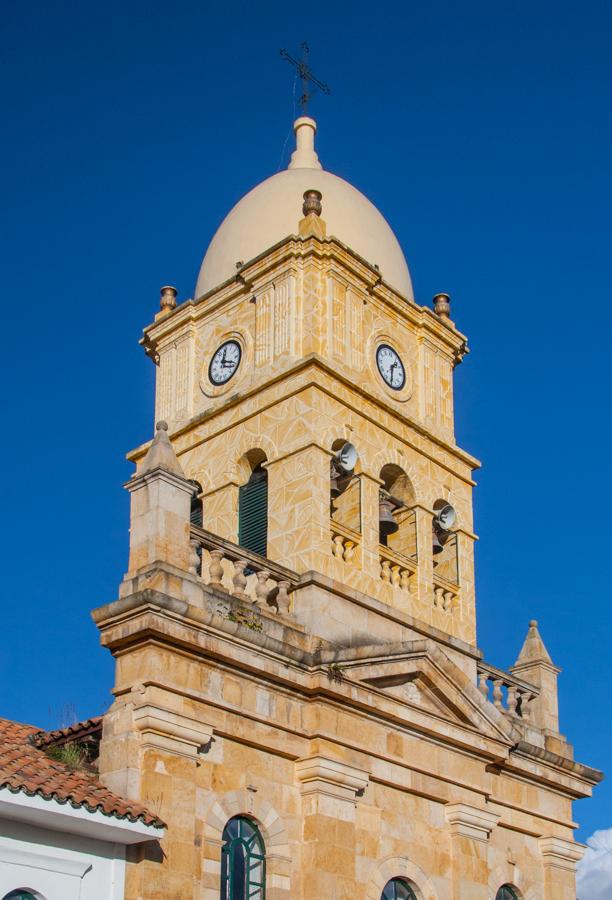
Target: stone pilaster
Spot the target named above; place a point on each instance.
(370, 559)
(329, 795)
(298, 509)
(470, 828)
(424, 519)
(151, 752)
(559, 858)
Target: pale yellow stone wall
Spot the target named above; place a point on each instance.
(370, 765)
(309, 320)
(343, 801)
(308, 297)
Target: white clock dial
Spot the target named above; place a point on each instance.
(390, 367)
(225, 362)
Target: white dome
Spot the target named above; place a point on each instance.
(272, 210)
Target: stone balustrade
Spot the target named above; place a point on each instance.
(344, 542)
(397, 570)
(445, 594)
(239, 572)
(509, 694)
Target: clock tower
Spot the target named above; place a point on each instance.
(297, 667)
(304, 335)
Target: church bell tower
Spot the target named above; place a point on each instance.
(299, 692)
(304, 336)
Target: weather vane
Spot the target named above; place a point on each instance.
(306, 76)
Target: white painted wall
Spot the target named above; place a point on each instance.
(56, 865)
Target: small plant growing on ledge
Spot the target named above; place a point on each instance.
(74, 756)
(249, 620)
(334, 672)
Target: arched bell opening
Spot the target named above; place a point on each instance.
(444, 542)
(345, 486)
(397, 516)
(253, 503)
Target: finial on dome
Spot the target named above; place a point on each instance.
(312, 202)
(304, 156)
(312, 225)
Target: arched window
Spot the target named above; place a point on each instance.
(398, 889)
(506, 892)
(21, 894)
(253, 512)
(243, 861)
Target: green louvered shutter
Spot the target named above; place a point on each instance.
(196, 516)
(253, 513)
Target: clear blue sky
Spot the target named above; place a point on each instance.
(482, 131)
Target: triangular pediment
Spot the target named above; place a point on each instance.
(420, 674)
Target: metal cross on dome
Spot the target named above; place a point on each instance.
(306, 76)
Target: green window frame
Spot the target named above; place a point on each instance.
(397, 889)
(507, 892)
(20, 894)
(243, 861)
(253, 513)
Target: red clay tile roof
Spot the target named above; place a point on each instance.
(25, 768)
(78, 731)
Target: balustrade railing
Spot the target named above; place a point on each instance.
(239, 572)
(397, 570)
(445, 594)
(344, 542)
(509, 694)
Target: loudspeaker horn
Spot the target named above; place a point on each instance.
(346, 458)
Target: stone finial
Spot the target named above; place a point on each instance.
(533, 649)
(441, 305)
(312, 225)
(312, 202)
(168, 295)
(160, 454)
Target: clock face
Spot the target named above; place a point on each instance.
(390, 367)
(225, 362)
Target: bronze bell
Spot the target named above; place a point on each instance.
(437, 546)
(386, 519)
(439, 537)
